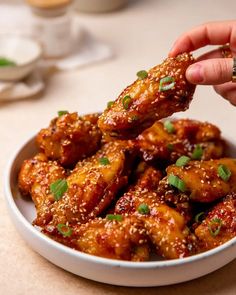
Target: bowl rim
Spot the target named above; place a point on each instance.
(9, 198)
(31, 60)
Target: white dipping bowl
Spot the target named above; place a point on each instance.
(25, 52)
(116, 272)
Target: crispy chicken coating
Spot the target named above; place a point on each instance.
(165, 227)
(175, 199)
(184, 135)
(35, 177)
(202, 180)
(219, 225)
(123, 239)
(70, 138)
(139, 193)
(93, 184)
(168, 232)
(161, 93)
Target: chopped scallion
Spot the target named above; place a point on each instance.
(64, 229)
(58, 188)
(61, 113)
(143, 209)
(166, 83)
(182, 161)
(224, 172)
(5, 62)
(169, 126)
(176, 182)
(198, 218)
(142, 74)
(126, 101)
(109, 104)
(104, 161)
(114, 217)
(214, 226)
(197, 152)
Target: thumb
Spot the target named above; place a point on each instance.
(211, 71)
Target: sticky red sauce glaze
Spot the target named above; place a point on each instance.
(148, 102)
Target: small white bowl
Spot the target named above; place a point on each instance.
(25, 52)
(122, 273)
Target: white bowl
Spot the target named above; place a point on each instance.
(122, 273)
(25, 52)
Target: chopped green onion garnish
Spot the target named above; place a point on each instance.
(142, 74)
(214, 226)
(4, 62)
(182, 161)
(170, 147)
(143, 209)
(177, 182)
(114, 217)
(104, 161)
(169, 126)
(197, 152)
(61, 113)
(58, 188)
(198, 218)
(166, 83)
(224, 172)
(127, 100)
(64, 229)
(109, 104)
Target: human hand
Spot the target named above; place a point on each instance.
(211, 68)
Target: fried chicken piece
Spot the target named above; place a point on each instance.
(123, 239)
(201, 180)
(70, 138)
(93, 184)
(184, 135)
(165, 227)
(219, 225)
(163, 92)
(175, 199)
(139, 193)
(34, 179)
(168, 232)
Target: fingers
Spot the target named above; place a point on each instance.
(211, 71)
(228, 91)
(215, 33)
(217, 53)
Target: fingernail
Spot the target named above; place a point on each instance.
(195, 74)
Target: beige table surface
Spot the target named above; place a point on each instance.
(140, 36)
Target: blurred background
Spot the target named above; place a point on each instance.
(92, 49)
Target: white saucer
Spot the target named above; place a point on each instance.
(27, 88)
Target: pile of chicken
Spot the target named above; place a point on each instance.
(125, 186)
